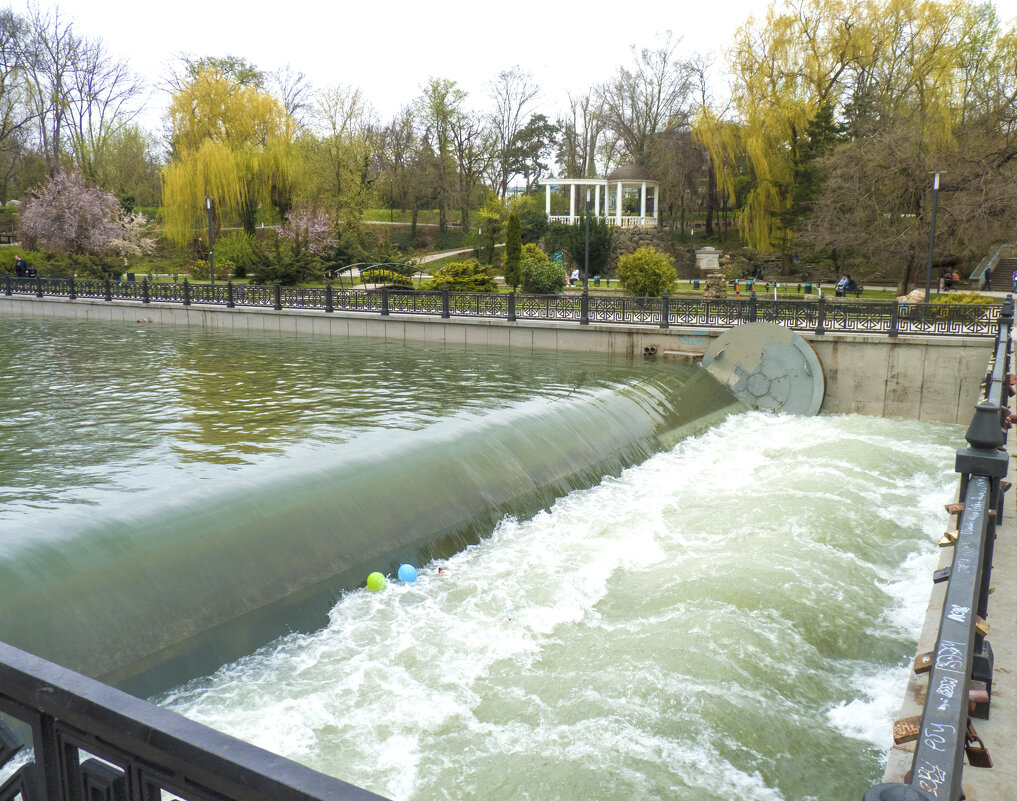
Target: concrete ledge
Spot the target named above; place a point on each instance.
(925, 378)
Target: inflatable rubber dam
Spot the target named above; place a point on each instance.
(627, 584)
(167, 581)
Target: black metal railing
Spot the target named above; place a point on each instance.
(95, 743)
(817, 316)
(960, 667)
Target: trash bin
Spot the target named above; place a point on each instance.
(750, 284)
(808, 287)
(130, 276)
(596, 280)
(695, 283)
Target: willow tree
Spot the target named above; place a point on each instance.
(876, 63)
(231, 142)
(784, 69)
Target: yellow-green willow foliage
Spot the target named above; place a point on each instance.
(879, 63)
(230, 142)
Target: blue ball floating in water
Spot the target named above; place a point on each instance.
(407, 573)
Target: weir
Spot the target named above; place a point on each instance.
(602, 431)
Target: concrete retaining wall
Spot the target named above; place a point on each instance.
(934, 379)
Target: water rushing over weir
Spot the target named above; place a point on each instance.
(728, 617)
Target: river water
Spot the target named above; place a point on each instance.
(730, 617)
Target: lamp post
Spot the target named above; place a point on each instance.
(932, 235)
(586, 264)
(211, 257)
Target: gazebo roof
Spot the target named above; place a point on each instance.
(629, 172)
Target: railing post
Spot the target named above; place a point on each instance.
(512, 307)
(187, 292)
(278, 297)
(329, 303)
(384, 301)
(895, 318)
(144, 290)
(72, 293)
(821, 316)
(444, 303)
(230, 304)
(38, 286)
(753, 306)
(108, 291)
(665, 310)
(584, 309)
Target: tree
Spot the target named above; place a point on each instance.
(512, 93)
(330, 168)
(531, 148)
(231, 142)
(581, 131)
(472, 152)
(103, 102)
(16, 113)
(436, 110)
(51, 50)
(572, 239)
(513, 251)
(491, 222)
(650, 98)
(68, 215)
(647, 272)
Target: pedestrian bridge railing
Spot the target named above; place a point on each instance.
(92, 742)
(960, 668)
(890, 318)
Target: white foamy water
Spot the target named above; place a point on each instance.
(730, 619)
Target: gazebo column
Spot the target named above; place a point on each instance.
(572, 202)
(618, 203)
(656, 192)
(547, 199)
(642, 202)
(596, 200)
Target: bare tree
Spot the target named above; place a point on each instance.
(50, 55)
(651, 97)
(512, 93)
(295, 91)
(103, 101)
(471, 146)
(16, 111)
(581, 131)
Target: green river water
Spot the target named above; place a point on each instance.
(725, 610)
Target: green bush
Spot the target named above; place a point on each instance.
(961, 306)
(540, 275)
(647, 273)
(464, 276)
(238, 248)
(390, 278)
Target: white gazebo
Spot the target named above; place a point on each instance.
(630, 197)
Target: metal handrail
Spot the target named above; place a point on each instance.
(962, 654)
(152, 749)
(891, 318)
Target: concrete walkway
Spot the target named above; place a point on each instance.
(999, 733)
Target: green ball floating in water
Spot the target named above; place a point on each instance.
(375, 582)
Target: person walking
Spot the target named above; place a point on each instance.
(988, 280)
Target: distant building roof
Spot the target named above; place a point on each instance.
(629, 172)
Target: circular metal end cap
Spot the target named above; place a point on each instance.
(897, 792)
(768, 367)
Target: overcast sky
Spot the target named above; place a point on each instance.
(390, 48)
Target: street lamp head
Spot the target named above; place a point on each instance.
(208, 202)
